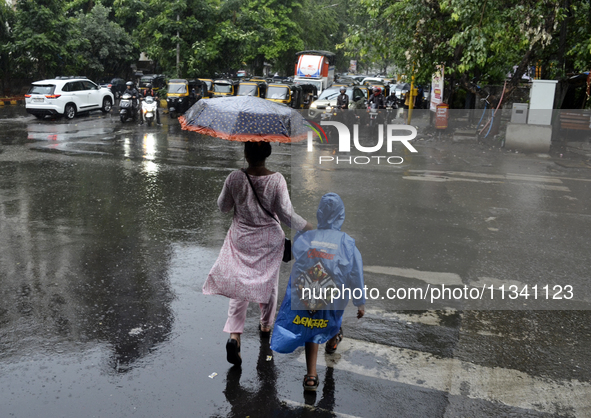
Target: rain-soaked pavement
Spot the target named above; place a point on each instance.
(108, 231)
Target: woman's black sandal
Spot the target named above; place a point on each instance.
(264, 334)
(233, 352)
(310, 388)
(331, 348)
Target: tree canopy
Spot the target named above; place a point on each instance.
(477, 41)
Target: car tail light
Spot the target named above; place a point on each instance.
(27, 95)
(53, 96)
(109, 86)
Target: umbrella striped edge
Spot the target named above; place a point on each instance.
(239, 137)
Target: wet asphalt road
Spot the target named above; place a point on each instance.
(108, 231)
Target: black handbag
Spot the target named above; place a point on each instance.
(287, 256)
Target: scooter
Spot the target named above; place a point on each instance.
(126, 108)
(149, 109)
(328, 114)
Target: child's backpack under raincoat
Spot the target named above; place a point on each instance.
(327, 272)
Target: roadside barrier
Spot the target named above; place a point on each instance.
(12, 101)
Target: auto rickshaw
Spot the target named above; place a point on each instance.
(157, 81)
(177, 98)
(253, 87)
(224, 87)
(365, 91)
(197, 91)
(289, 94)
(309, 94)
(209, 83)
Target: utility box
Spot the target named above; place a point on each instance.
(541, 102)
(519, 113)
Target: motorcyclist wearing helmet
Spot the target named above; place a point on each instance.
(135, 95)
(149, 91)
(378, 98)
(343, 99)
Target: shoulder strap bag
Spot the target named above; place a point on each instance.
(287, 256)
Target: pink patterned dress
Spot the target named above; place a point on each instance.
(247, 268)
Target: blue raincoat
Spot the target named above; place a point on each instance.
(325, 259)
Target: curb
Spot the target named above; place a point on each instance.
(13, 102)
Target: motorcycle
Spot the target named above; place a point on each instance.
(328, 114)
(149, 109)
(126, 108)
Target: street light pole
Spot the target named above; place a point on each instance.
(178, 49)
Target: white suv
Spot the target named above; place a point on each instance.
(67, 96)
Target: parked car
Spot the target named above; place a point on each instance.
(67, 96)
(359, 78)
(372, 80)
(116, 85)
(328, 97)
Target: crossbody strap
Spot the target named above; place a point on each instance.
(255, 195)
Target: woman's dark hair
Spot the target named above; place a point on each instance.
(257, 151)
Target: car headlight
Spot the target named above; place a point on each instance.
(313, 106)
(329, 108)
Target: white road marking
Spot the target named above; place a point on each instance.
(456, 377)
(425, 318)
(508, 176)
(439, 179)
(451, 279)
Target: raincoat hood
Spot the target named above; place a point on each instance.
(331, 212)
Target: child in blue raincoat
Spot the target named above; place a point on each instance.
(328, 271)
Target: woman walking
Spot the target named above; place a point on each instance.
(247, 268)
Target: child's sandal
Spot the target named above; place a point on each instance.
(314, 380)
(331, 348)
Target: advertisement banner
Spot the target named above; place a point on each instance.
(437, 88)
(353, 66)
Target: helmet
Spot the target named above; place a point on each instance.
(129, 84)
(342, 89)
(149, 86)
(377, 90)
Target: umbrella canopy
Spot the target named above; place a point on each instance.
(245, 118)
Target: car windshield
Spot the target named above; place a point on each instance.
(278, 93)
(42, 89)
(222, 88)
(177, 88)
(330, 94)
(247, 90)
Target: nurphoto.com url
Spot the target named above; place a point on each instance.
(442, 292)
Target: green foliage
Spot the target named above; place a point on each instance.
(42, 35)
(479, 40)
(7, 20)
(104, 46)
